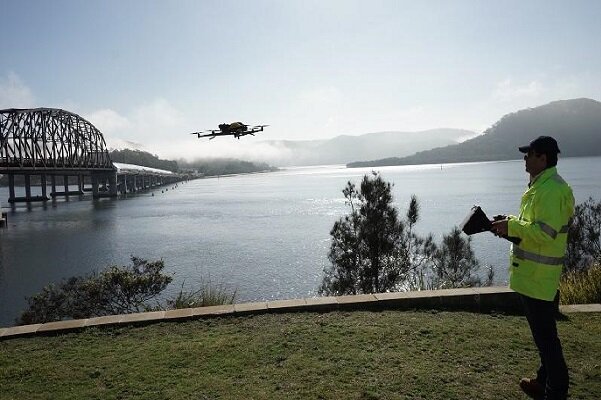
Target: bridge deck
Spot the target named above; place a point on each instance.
(131, 169)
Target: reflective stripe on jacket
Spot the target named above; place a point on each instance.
(546, 208)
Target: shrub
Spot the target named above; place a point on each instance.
(453, 264)
(584, 237)
(117, 290)
(581, 286)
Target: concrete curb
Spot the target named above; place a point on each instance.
(580, 308)
(500, 299)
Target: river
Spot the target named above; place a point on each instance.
(264, 235)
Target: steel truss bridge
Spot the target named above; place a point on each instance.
(50, 142)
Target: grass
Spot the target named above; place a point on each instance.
(581, 287)
(209, 294)
(337, 355)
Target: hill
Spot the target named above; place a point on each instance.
(225, 166)
(139, 157)
(576, 124)
(345, 148)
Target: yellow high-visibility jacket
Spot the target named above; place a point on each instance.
(546, 209)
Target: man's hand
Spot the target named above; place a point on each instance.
(499, 227)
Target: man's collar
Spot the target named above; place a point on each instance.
(545, 173)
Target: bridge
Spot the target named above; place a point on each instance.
(53, 143)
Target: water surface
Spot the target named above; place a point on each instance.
(265, 235)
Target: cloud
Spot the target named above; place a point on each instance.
(411, 118)
(319, 108)
(115, 143)
(108, 121)
(14, 93)
(144, 127)
(587, 84)
(114, 127)
(328, 96)
(156, 118)
(133, 145)
(509, 91)
(249, 149)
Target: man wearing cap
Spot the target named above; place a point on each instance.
(536, 262)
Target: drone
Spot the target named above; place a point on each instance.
(235, 129)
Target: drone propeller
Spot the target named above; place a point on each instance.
(260, 126)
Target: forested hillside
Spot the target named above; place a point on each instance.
(213, 167)
(138, 157)
(576, 124)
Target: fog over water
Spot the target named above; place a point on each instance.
(265, 235)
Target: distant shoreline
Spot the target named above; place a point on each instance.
(239, 173)
(351, 165)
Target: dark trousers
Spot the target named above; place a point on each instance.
(553, 372)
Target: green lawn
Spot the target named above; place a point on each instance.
(337, 355)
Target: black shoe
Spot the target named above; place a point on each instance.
(532, 388)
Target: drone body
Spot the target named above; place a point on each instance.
(235, 129)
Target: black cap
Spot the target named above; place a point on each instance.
(541, 145)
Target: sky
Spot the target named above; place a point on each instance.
(147, 73)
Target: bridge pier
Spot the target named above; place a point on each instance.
(101, 179)
(122, 183)
(3, 217)
(66, 191)
(83, 185)
(112, 178)
(12, 198)
(27, 186)
(43, 184)
(95, 193)
(128, 183)
(11, 188)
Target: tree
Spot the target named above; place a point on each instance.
(584, 237)
(454, 264)
(372, 250)
(117, 290)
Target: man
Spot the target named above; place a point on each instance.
(536, 262)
